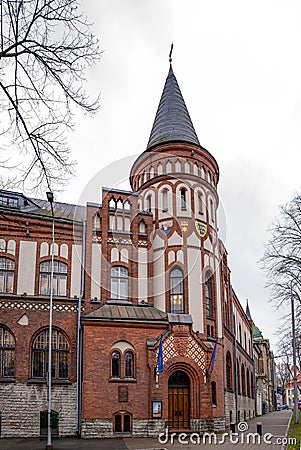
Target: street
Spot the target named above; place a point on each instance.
(274, 427)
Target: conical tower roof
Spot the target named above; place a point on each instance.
(172, 121)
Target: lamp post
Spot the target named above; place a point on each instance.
(49, 445)
(294, 359)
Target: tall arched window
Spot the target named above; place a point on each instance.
(7, 353)
(60, 355)
(59, 286)
(183, 199)
(200, 203)
(7, 267)
(229, 371)
(165, 200)
(149, 204)
(238, 376)
(119, 282)
(248, 383)
(243, 380)
(208, 295)
(115, 364)
(176, 291)
(213, 393)
(211, 211)
(129, 364)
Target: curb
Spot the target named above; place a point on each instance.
(284, 446)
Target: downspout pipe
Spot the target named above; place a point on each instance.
(235, 364)
(79, 340)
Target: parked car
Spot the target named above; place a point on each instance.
(280, 407)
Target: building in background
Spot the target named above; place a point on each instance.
(265, 373)
(163, 337)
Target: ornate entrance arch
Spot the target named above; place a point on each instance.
(179, 400)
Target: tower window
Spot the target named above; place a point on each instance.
(208, 295)
(149, 204)
(165, 200)
(211, 211)
(183, 200)
(176, 291)
(200, 203)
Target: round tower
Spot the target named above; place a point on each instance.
(176, 179)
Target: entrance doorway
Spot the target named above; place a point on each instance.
(178, 400)
(54, 423)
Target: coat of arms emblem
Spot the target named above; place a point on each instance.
(201, 228)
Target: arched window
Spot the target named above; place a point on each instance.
(183, 199)
(243, 380)
(115, 364)
(59, 285)
(239, 334)
(165, 200)
(119, 282)
(208, 295)
(149, 204)
(129, 364)
(213, 393)
(176, 291)
(252, 386)
(248, 384)
(200, 203)
(238, 376)
(229, 371)
(211, 211)
(59, 355)
(7, 267)
(7, 353)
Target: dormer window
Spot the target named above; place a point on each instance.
(11, 202)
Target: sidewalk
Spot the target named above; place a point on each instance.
(274, 423)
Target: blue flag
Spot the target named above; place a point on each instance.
(213, 357)
(160, 357)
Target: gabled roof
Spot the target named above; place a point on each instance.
(172, 121)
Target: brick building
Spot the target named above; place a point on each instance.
(142, 274)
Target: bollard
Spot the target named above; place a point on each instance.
(232, 427)
(259, 428)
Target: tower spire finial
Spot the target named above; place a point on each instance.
(170, 53)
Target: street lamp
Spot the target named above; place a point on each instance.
(49, 445)
(294, 359)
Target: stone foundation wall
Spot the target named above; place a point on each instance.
(21, 404)
(97, 428)
(246, 408)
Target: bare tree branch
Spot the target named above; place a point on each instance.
(46, 47)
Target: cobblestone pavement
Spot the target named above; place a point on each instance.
(274, 427)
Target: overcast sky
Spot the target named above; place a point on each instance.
(238, 65)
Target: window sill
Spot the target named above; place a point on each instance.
(7, 380)
(44, 381)
(122, 380)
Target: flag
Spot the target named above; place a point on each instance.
(160, 365)
(213, 357)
